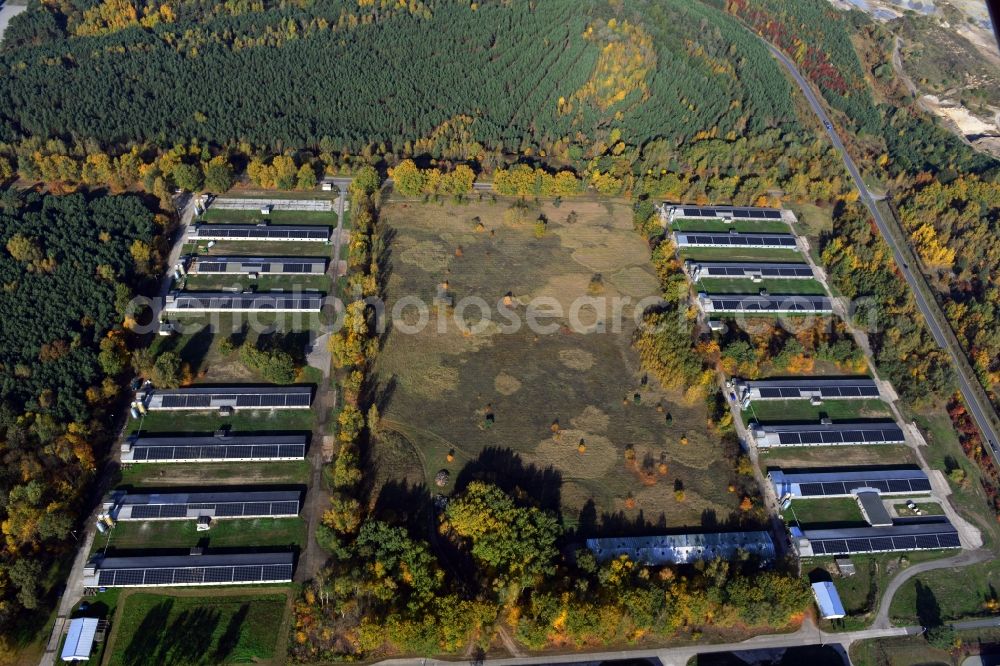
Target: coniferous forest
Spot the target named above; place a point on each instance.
(353, 78)
(69, 267)
(648, 99)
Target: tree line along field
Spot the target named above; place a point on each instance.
(568, 404)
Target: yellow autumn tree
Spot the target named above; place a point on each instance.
(933, 253)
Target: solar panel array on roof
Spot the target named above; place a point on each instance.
(245, 398)
(860, 434)
(149, 452)
(236, 397)
(265, 265)
(890, 485)
(736, 239)
(725, 211)
(860, 391)
(195, 301)
(884, 539)
(792, 389)
(734, 270)
(160, 506)
(186, 571)
(259, 232)
(219, 510)
(751, 303)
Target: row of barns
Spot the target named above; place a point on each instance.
(205, 506)
(873, 488)
(754, 271)
(198, 302)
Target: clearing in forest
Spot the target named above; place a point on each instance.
(566, 415)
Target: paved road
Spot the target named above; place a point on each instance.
(985, 623)
(982, 412)
(963, 559)
(184, 203)
(679, 656)
(73, 592)
(317, 498)
(779, 532)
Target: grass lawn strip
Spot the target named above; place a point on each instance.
(276, 217)
(245, 534)
(944, 453)
(773, 287)
(203, 626)
(198, 474)
(780, 411)
(743, 226)
(741, 254)
(208, 422)
(833, 510)
(837, 456)
(264, 283)
(959, 593)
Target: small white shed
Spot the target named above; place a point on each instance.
(79, 639)
(828, 600)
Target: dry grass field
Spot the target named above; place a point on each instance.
(553, 413)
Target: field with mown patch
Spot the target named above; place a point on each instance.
(555, 411)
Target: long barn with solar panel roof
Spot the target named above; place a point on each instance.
(830, 434)
(846, 482)
(816, 389)
(222, 447)
(903, 535)
(192, 506)
(258, 232)
(671, 212)
(275, 301)
(219, 265)
(753, 303)
(240, 396)
(735, 239)
(756, 271)
(186, 570)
